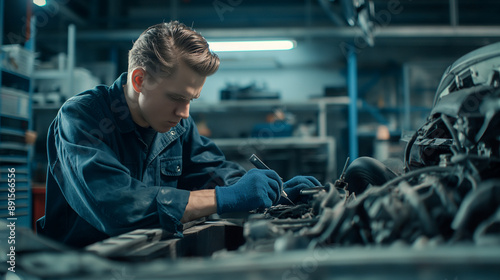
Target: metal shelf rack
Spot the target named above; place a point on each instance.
(15, 119)
(314, 155)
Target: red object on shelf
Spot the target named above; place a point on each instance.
(38, 195)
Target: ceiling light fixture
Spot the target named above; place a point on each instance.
(40, 3)
(248, 46)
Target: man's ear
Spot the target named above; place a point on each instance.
(138, 76)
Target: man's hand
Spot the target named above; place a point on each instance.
(256, 189)
(201, 203)
(293, 186)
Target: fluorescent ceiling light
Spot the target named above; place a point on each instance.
(40, 3)
(246, 46)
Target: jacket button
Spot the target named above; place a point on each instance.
(172, 133)
(178, 168)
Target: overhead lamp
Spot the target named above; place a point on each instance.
(40, 3)
(248, 46)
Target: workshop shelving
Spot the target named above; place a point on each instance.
(232, 121)
(64, 75)
(396, 99)
(15, 119)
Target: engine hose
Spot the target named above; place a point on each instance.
(408, 150)
(430, 169)
(453, 132)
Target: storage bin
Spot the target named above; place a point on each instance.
(14, 102)
(17, 59)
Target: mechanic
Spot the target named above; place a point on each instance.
(129, 156)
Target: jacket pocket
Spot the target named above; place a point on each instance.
(170, 167)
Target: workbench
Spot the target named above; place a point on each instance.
(153, 256)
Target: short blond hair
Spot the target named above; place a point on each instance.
(160, 48)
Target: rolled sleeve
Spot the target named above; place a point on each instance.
(171, 206)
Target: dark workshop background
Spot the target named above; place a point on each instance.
(358, 80)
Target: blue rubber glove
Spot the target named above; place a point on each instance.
(293, 186)
(256, 189)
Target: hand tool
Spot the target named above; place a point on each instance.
(257, 162)
(341, 183)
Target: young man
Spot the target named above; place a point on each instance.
(129, 156)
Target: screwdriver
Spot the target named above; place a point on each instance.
(257, 162)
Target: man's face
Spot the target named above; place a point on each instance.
(163, 102)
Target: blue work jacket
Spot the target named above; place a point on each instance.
(103, 179)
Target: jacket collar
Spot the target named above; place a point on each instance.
(119, 106)
(164, 139)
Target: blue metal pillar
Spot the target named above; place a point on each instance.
(1, 44)
(406, 99)
(1, 21)
(114, 56)
(352, 89)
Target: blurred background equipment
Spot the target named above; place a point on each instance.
(252, 91)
